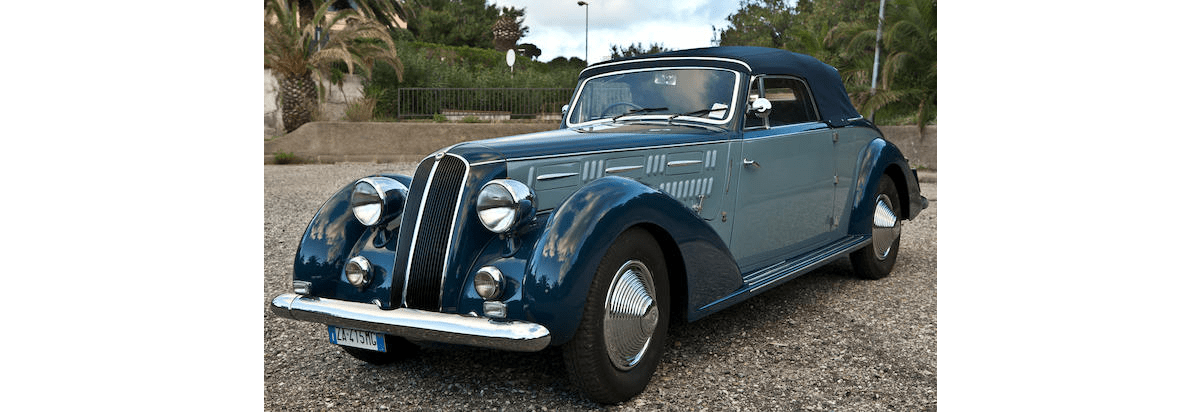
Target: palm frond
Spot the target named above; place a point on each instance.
(324, 57)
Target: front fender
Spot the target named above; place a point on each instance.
(879, 157)
(564, 261)
(332, 237)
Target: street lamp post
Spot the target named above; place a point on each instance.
(585, 31)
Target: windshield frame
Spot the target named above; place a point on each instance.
(731, 114)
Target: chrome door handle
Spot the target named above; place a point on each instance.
(748, 163)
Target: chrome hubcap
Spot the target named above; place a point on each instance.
(885, 227)
(630, 315)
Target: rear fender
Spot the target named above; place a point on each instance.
(881, 157)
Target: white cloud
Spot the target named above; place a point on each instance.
(557, 27)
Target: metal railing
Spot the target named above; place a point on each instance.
(484, 104)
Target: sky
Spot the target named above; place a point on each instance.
(557, 27)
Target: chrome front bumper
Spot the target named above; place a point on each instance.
(517, 336)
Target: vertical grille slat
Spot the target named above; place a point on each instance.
(440, 205)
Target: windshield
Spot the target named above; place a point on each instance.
(695, 94)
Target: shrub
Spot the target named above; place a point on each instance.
(282, 158)
(438, 66)
(362, 109)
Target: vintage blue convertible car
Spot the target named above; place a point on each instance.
(677, 185)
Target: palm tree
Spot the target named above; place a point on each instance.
(908, 82)
(295, 47)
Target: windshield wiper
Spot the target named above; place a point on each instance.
(697, 113)
(642, 110)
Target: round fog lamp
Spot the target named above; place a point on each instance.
(489, 282)
(358, 271)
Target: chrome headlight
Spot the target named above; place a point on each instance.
(375, 199)
(504, 204)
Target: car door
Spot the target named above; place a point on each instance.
(785, 186)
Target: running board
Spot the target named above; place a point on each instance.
(763, 279)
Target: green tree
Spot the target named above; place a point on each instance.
(509, 29)
(801, 27)
(563, 63)
(460, 22)
(764, 23)
(635, 50)
(907, 89)
(293, 48)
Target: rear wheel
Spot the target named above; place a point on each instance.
(397, 348)
(876, 261)
(619, 341)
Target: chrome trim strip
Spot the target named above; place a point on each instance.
(722, 59)
(552, 176)
(415, 324)
(626, 149)
(769, 275)
(622, 169)
(679, 163)
(765, 278)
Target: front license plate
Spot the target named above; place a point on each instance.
(356, 338)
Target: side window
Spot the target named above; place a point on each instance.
(790, 101)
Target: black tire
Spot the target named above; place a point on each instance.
(877, 259)
(591, 365)
(397, 348)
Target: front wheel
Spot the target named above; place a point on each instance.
(620, 338)
(876, 261)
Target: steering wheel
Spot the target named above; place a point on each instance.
(604, 113)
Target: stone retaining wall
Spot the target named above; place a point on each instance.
(921, 151)
(331, 142)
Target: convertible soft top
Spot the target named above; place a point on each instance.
(826, 83)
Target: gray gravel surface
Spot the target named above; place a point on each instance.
(824, 341)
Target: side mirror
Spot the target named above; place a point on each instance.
(564, 110)
(761, 107)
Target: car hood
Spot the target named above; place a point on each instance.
(588, 138)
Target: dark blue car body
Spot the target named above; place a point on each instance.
(734, 209)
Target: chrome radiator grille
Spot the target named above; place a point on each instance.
(431, 242)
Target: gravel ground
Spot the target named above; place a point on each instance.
(824, 341)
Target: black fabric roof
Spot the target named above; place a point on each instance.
(824, 80)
